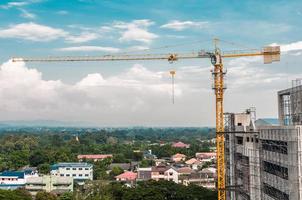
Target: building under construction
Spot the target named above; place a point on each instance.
(264, 160)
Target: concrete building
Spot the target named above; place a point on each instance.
(263, 162)
(15, 179)
(281, 162)
(49, 183)
(79, 171)
(290, 104)
(242, 156)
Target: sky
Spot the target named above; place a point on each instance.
(138, 93)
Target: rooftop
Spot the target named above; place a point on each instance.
(71, 164)
(179, 155)
(95, 156)
(130, 176)
(180, 145)
(19, 174)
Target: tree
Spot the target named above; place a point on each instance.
(66, 196)
(45, 196)
(19, 194)
(44, 168)
(116, 170)
(36, 158)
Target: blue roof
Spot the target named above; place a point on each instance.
(76, 164)
(19, 174)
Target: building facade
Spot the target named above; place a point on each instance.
(49, 183)
(79, 171)
(263, 162)
(242, 156)
(15, 179)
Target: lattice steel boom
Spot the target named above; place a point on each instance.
(270, 55)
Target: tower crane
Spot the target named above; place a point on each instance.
(269, 53)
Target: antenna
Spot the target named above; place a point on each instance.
(172, 72)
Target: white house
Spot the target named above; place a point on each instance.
(171, 174)
(79, 171)
(15, 179)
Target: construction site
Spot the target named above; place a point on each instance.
(238, 139)
(263, 158)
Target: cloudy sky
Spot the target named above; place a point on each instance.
(139, 93)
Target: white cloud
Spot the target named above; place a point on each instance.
(62, 12)
(137, 30)
(14, 4)
(182, 25)
(32, 31)
(138, 96)
(290, 47)
(90, 48)
(83, 37)
(19, 4)
(41, 33)
(117, 100)
(138, 48)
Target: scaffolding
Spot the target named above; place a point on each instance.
(290, 104)
(262, 162)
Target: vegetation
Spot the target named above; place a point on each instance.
(18, 149)
(149, 190)
(18, 194)
(37, 148)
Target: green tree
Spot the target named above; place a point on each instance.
(44, 168)
(45, 196)
(116, 170)
(37, 158)
(66, 196)
(19, 194)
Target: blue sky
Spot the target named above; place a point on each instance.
(90, 27)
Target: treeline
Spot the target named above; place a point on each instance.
(149, 190)
(41, 150)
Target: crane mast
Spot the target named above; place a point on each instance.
(270, 54)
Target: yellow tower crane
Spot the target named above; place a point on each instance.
(269, 53)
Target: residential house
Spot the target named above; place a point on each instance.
(178, 157)
(144, 174)
(171, 174)
(15, 179)
(184, 170)
(193, 163)
(49, 183)
(79, 171)
(180, 145)
(206, 155)
(128, 177)
(94, 157)
(205, 178)
(158, 172)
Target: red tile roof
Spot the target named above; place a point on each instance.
(185, 170)
(205, 154)
(129, 176)
(95, 156)
(180, 145)
(179, 155)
